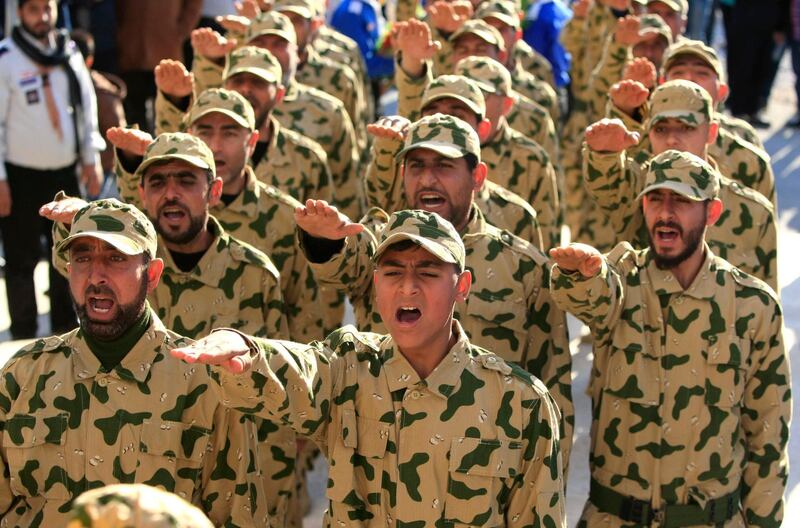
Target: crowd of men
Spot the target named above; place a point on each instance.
(211, 361)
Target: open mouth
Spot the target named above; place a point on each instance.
(173, 213)
(667, 234)
(100, 305)
(431, 199)
(408, 314)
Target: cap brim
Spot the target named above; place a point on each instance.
(304, 12)
(191, 160)
(481, 34)
(680, 115)
(681, 188)
(258, 72)
(121, 242)
(447, 150)
(437, 250)
(694, 53)
(471, 104)
(281, 34)
(502, 17)
(233, 115)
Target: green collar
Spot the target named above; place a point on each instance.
(111, 353)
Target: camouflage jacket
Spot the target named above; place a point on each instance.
(745, 234)
(509, 307)
(533, 61)
(608, 71)
(263, 217)
(339, 81)
(536, 89)
(475, 443)
(736, 158)
(501, 207)
(741, 128)
(523, 167)
(690, 388)
(308, 111)
(339, 47)
(67, 425)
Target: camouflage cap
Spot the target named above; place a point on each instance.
(456, 87)
(304, 8)
(445, 134)
(178, 146)
(226, 102)
(482, 30)
(272, 23)
(696, 48)
(134, 506)
(681, 6)
(255, 60)
(503, 10)
(683, 100)
(683, 173)
(122, 225)
(428, 230)
(649, 24)
(491, 76)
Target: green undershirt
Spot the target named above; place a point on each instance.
(111, 353)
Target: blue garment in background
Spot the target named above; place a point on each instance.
(543, 23)
(363, 21)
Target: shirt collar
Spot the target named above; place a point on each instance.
(246, 203)
(212, 266)
(702, 287)
(137, 363)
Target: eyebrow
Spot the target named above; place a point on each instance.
(180, 174)
(421, 264)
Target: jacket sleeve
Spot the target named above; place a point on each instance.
(383, 183)
(612, 182)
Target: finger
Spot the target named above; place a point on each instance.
(352, 229)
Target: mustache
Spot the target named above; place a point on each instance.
(172, 203)
(94, 289)
(670, 225)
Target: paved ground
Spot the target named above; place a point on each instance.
(784, 147)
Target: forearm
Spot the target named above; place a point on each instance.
(169, 115)
(207, 73)
(127, 182)
(596, 301)
(410, 89)
(343, 264)
(383, 183)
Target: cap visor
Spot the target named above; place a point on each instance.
(447, 150)
(677, 187)
(471, 104)
(258, 72)
(298, 10)
(121, 242)
(502, 17)
(281, 34)
(437, 250)
(481, 34)
(191, 160)
(690, 118)
(233, 115)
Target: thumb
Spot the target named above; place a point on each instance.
(632, 138)
(352, 229)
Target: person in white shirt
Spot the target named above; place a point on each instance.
(48, 141)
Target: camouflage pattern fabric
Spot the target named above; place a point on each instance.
(508, 308)
(533, 61)
(134, 506)
(690, 388)
(475, 443)
(537, 90)
(69, 426)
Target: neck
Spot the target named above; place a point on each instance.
(111, 353)
(265, 131)
(422, 358)
(462, 225)
(686, 271)
(235, 186)
(43, 40)
(200, 243)
(497, 128)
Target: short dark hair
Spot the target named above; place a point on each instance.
(472, 161)
(84, 41)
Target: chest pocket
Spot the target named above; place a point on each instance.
(479, 477)
(172, 456)
(725, 375)
(356, 470)
(35, 449)
(496, 325)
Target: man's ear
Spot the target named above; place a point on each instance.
(508, 105)
(713, 130)
(479, 176)
(215, 192)
(316, 23)
(502, 56)
(723, 90)
(279, 95)
(154, 269)
(715, 209)
(484, 129)
(463, 285)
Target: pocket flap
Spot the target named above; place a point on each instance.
(367, 436)
(485, 457)
(25, 430)
(173, 439)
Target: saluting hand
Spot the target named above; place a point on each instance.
(449, 16)
(580, 8)
(221, 347)
(234, 23)
(610, 135)
(210, 44)
(390, 127)
(412, 39)
(642, 70)
(173, 79)
(129, 140)
(62, 211)
(578, 257)
(321, 220)
(248, 9)
(627, 31)
(628, 96)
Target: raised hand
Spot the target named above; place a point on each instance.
(449, 16)
(62, 211)
(390, 127)
(580, 8)
(225, 348)
(210, 44)
(234, 23)
(610, 135)
(578, 257)
(412, 39)
(627, 31)
(129, 140)
(642, 70)
(173, 79)
(321, 220)
(628, 96)
(248, 9)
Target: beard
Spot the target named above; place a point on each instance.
(196, 224)
(40, 30)
(692, 240)
(126, 314)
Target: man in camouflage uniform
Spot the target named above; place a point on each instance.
(508, 310)
(682, 117)
(308, 111)
(421, 427)
(690, 382)
(107, 403)
(134, 506)
(675, 13)
(460, 97)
